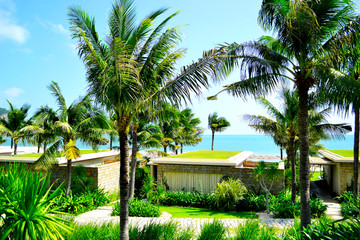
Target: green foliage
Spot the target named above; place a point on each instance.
(157, 231)
(229, 193)
(350, 207)
(25, 202)
(77, 203)
(138, 208)
(317, 207)
(187, 199)
(255, 231)
(106, 231)
(252, 202)
(213, 231)
(80, 182)
(141, 173)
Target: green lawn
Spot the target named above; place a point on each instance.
(191, 212)
(316, 176)
(39, 154)
(207, 154)
(344, 153)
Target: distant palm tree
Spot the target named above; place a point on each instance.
(302, 29)
(133, 69)
(12, 124)
(79, 121)
(284, 123)
(216, 124)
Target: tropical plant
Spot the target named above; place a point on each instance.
(25, 205)
(135, 69)
(213, 231)
(79, 121)
(216, 124)
(301, 29)
(138, 208)
(229, 193)
(267, 174)
(284, 125)
(12, 123)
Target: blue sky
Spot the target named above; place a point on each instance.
(36, 48)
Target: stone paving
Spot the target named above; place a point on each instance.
(103, 215)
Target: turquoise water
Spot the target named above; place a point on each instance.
(259, 144)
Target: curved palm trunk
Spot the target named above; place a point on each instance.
(292, 153)
(68, 184)
(181, 150)
(165, 149)
(176, 150)
(303, 124)
(212, 141)
(124, 185)
(356, 154)
(133, 162)
(44, 147)
(111, 140)
(15, 147)
(12, 142)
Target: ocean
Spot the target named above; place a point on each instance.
(258, 144)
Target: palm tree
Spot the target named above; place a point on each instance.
(79, 121)
(12, 124)
(216, 124)
(190, 132)
(285, 122)
(301, 28)
(134, 69)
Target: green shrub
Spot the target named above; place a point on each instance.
(25, 199)
(317, 207)
(213, 231)
(138, 208)
(255, 231)
(252, 202)
(350, 207)
(187, 199)
(81, 202)
(106, 231)
(229, 193)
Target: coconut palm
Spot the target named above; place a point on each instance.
(133, 69)
(284, 123)
(216, 124)
(79, 121)
(189, 132)
(12, 124)
(302, 28)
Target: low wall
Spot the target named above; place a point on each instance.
(242, 173)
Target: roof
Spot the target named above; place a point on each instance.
(320, 161)
(233, 161)
(335, 157)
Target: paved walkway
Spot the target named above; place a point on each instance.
(103, 215)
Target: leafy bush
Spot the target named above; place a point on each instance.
(138, 208)
(317, 207)
(229, 193)
(106, 231)
(350, 207)
(80, 182)
(24, 205)
(81, 202)
(187, 199)
(213, 231)
(252, 202)
(255, 231)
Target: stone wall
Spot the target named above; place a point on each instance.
(345, 176)
(242, 173)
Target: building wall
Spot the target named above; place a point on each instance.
(193, 172)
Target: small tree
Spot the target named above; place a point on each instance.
(266, 174)
(216, 124)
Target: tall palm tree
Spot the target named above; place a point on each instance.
(216, 124)
(301, 29)
(133, 69)
(79, 121)
(284, 122)
(190, 132)
(12, 124)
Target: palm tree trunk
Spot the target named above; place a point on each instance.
(212, 141)
(38, 149)
(44, 147)
(287, 165)
(267, 202)
(15, 147)
(165, 149)
(176, 150)
(68, 184)
(181, 150)
(356, 155)
(124, 185)
(292, 159)
(281, 153)
(303, 124)
(12, 142)
(133, 162)
(111, 139)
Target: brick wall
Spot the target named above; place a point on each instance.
(244, 174)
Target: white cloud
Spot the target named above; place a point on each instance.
(10, 30)
(13, 92)
(54, 27)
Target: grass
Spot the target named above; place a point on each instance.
(208, 154)
(344, 153)
(315, 176)
(192, 212)
(39, 154)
